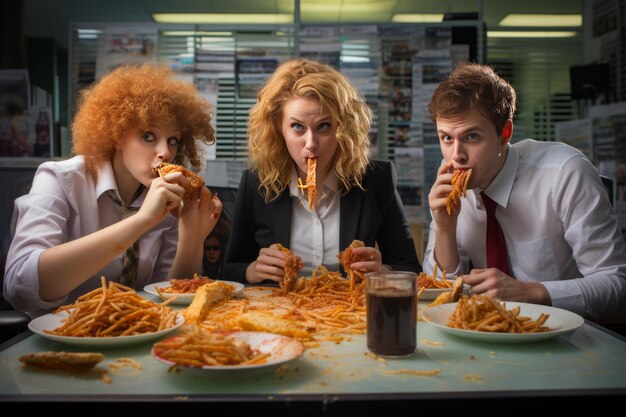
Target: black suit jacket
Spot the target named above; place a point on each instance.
(375, 215)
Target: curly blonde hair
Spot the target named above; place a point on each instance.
(267, 149)
(133, 98)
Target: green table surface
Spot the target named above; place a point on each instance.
(587, 360)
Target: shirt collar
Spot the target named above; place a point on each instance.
(500, 188)
(106, 181)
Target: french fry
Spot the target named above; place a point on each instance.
(426, 281)
(460, 181)
(310, 183)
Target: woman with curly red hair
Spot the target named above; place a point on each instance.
(75, 224)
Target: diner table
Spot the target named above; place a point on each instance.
(589, 362)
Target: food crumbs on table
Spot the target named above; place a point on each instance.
(431, 342)
(173, 368)
(181, 398)
(492, 353)
(106, 378)
(131, 362)
(432, 372)
(473, 378)
(124, 363)
(378, 358)
(472, 357)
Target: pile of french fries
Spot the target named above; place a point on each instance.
(197, 347)
(112, 311)
(483, 313)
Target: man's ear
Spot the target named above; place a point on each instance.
(507, 132)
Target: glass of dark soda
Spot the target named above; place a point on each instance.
(391, 305)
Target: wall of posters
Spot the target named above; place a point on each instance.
(126, 45)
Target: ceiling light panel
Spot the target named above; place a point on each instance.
(542, 20)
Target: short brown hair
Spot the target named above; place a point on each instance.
(474, 86)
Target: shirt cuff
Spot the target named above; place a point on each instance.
(566, 295)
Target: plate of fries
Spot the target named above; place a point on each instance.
(536, 322)
(181, 298)
(226, 352)
(45, 325)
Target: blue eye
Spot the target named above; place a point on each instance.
(472, 137)
(324, 126)
(445, 138)
(297, 126)
(148, 137)
(173, 141)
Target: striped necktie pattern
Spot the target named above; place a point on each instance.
(131, 256)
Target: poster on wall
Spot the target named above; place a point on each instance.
(251, 73)
(27, 133)
(14, 101)
(126, 45)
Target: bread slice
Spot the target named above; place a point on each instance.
(264, 322)
(62, 361)
(451, 296)
(206, 297)
(194, 181)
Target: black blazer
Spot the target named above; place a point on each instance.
(375, 215)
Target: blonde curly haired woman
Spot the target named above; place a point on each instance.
(305, 112)
(74, 225)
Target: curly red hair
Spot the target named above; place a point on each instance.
(133, 98)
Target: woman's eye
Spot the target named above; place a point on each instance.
(324, 126)
(297, 126)
(148, 137)
(173, 141)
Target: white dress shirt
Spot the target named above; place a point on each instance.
(315, 233)
(64, 204)
(559, 226)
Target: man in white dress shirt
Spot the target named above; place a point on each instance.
(563, 241)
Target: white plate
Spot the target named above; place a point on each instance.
(560, 321)
(182, 298)
(282, 349)
(52, 321)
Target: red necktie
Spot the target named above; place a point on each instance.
(496, 245)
